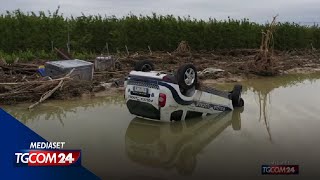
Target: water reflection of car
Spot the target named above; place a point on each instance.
(175, 145)
(175, 96)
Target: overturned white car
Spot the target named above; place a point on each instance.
(175, 96)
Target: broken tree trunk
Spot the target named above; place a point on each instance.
(264, 61)
(183, 48)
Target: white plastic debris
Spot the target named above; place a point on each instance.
(210, 71)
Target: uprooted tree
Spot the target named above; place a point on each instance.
(183, 48)
(264, 62)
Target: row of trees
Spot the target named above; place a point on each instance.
(41, 31)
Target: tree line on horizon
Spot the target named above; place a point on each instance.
(35, 32)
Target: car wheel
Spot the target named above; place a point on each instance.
(117, 65)
(187, 77)
(145, 66)
(241, 103)
(236, 96)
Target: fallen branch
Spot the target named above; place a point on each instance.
(110, 72)
(36, 82)
(45, 86)
(63, 54)
(12, 93)
(49, 93)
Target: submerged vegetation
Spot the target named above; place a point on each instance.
(33, 35)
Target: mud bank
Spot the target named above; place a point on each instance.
(17, 80)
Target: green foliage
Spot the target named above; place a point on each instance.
(83, 55)
(24, 33)
(24, 56)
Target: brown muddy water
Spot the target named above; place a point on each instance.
(280, 124)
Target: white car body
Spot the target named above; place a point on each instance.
(143, 91)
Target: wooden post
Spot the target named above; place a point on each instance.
(68, 43)
(127, 50)
(150, 50)
(52, 46)
(107, 46)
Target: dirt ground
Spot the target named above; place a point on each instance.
(20, 82)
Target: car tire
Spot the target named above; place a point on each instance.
(241, 103)
(144, 65)
(117, 65)
(187, 77)
(236, 96)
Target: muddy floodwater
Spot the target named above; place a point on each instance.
(280, 124)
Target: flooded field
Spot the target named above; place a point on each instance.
(279, 125)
